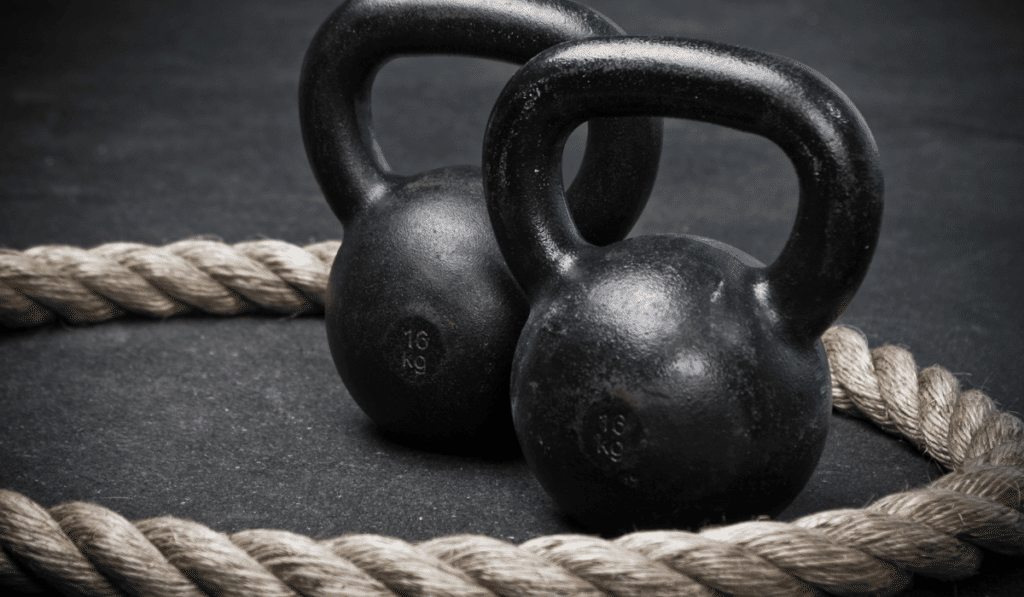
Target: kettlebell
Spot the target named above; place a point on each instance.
(422, 314)
(676, 381)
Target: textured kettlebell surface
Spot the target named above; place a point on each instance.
(152, 122)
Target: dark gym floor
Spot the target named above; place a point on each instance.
(151, 121)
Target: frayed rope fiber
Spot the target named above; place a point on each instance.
(939, 530)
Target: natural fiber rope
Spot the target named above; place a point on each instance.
(105, 282)
(937, 531)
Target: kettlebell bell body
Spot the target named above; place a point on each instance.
(675, 381)
(422, 313)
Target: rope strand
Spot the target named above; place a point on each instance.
(938, 531)
(108, 281)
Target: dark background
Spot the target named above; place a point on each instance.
(155, 121)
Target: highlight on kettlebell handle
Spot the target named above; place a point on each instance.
(360, 36)
(808, 117)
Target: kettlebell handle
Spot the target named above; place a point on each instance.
(815, 124)
(360, 36)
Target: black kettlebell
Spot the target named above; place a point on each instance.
(673, 381)
(422, 314)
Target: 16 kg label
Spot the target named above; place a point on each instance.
(415, 349)
(611, 435)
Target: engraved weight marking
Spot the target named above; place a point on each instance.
(415, 349)
(419, 340)
(610, 447)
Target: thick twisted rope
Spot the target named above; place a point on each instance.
(108, 281)
(937, 531)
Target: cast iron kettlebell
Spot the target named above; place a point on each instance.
(422, 314)
(674, 380)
